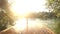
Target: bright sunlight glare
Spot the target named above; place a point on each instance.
(21, 24)
(24, 6)
(34, 23)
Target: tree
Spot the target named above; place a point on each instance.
(54, 6)
(6, 18)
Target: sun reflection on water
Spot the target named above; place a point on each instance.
(21, 24)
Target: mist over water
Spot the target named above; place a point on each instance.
(38, 23)
(35, 26)
(41, 21)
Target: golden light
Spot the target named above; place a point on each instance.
(20, 24)
(22, 7)
(35, 24)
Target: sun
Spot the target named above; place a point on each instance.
(22, 7)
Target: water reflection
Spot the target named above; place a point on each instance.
(35, 26)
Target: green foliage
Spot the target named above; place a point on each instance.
(43, 15)
(54, 5)
(57, 26)
(5, 20)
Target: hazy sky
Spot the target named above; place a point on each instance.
(22, 6)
